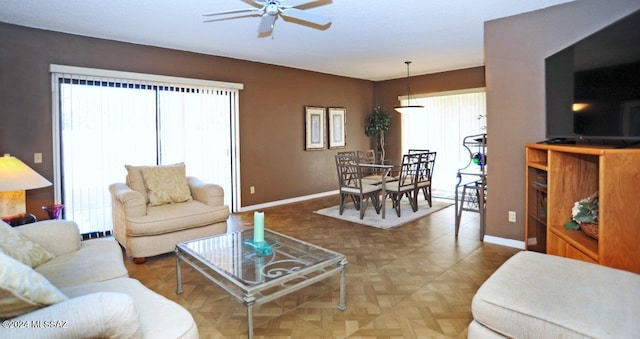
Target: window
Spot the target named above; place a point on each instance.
(447, 118)
(102, 123)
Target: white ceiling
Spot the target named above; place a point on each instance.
(367, 39)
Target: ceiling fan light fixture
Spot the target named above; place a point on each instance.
(270, 10)
(408, 108)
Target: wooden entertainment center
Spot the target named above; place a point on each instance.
(559, 175)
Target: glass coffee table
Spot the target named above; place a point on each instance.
(259, 274)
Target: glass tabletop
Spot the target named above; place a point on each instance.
(238, 258)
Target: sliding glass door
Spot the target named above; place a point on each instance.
(105, 123)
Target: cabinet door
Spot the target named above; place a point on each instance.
(555, 245)
(559, 247)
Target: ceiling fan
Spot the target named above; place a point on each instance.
(269, 10)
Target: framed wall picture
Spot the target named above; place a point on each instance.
(337, 128)
(315, 128)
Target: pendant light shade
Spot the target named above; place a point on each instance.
(409, 107)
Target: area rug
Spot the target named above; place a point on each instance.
(391, 220)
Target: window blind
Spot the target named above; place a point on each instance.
(102, 123)
(446, 119)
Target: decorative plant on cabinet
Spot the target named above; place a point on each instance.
(377, 124)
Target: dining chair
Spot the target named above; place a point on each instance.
(352, 185)
(405, 185)
(368, 156)
(370, 175)
(425, 174)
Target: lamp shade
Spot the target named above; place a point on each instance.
(16, 175)
(408, 108)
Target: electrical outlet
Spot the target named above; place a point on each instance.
(37, 158)
(252, 189)
(512, 216)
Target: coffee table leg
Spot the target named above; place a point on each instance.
(249, 301)
(342, 305)
(178, 275)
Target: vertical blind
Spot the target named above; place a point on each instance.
(446, 119)
(103, 123)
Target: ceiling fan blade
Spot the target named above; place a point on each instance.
(266, 23)
(232, 17)
(233, 11)
(296, 3)
(320, 20)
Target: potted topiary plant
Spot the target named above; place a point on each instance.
(377, 124)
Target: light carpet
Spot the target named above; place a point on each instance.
(391, 219)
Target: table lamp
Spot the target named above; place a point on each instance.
(15, 178)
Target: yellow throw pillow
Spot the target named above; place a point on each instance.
(23, 290)
(21, 248)
(166, 184)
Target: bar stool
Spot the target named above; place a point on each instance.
(472, 198)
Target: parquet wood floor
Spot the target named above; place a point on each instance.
(415, 281)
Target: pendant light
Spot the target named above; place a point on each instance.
(408, 108)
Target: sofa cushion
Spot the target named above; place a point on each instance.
(175, 217)
(95, 315)
(22, 289)
(96, 260)
(58, 236)
(21, 248)
(545, 296)
(477, 330)
(159, 316)
(166, 184)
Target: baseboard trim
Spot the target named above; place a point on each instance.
(504, 242)
(286, 201)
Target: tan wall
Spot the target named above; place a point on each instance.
(271, 107)
(515, 49)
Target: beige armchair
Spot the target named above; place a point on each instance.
(148, 221)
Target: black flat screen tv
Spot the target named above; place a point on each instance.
(593, 86)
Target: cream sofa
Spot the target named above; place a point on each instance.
(146, 229)
(533, 295)
(81, 290)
